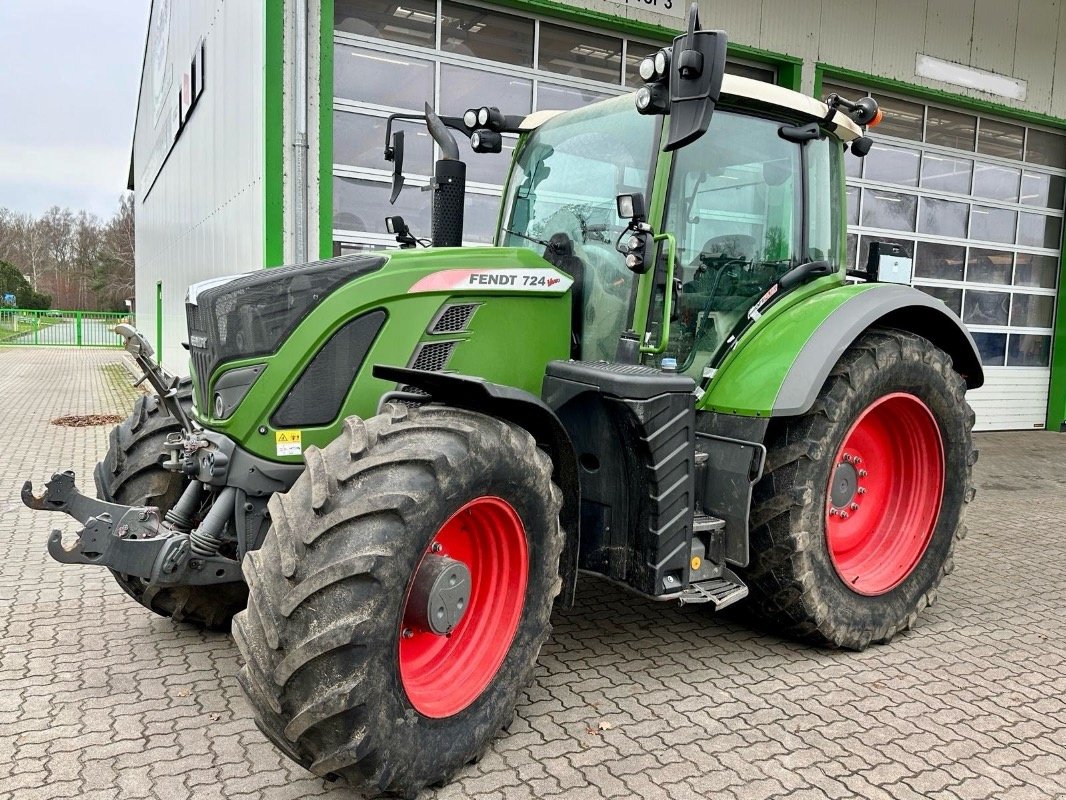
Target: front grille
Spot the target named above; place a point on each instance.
(433, 356)
(201, 367)
(453, 318)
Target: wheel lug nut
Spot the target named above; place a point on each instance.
(854, 506)
(862, 473)
(858, 460)
(408, 633)
(862, 490)
(833, 512)
(843, 514)
(847, 458)
(437, 547)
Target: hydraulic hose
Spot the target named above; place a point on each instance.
(207, 539)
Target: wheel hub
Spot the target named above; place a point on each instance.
(440, 595)
(845, 483)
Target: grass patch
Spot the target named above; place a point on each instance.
(120, 382)
(13, 326)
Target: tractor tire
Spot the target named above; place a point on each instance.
(341, 668)
(862, 500)
(131, 474)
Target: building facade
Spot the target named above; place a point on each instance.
(260, 137)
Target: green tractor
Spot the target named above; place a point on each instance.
(387, 469)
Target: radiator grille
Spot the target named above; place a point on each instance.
(454, 318)
(433, 356)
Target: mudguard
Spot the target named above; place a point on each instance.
(779, 367)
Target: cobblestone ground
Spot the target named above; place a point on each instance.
(101, 699)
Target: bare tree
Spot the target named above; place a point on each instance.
(114, 275)
(73, 256)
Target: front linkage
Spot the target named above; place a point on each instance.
(139, 541)
(134, 540)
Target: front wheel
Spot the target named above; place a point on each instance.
(855, 520)
(401, 598)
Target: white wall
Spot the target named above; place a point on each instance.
(1017, 38)
(203, 216)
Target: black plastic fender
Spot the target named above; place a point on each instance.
(900, 307)
(527, 411)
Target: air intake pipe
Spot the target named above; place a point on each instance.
(449, 186)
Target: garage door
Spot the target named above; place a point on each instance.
(391, 57)
(977, 202)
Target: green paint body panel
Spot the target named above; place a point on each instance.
(750, 378)
(510, 340)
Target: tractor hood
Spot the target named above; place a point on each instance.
(247, 315)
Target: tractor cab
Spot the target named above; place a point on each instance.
(739, 208)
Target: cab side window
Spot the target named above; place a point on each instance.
(735, 208)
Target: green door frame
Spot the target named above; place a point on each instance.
(1056, 408)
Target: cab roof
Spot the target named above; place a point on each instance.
(760, 92)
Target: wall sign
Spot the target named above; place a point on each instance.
(675, 9)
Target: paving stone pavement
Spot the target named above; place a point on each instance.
(99, 699)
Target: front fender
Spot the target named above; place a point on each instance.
(780, 366)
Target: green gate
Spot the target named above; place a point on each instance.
(65, 328)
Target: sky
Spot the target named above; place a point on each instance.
(69, 74)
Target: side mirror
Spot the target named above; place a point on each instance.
(395, 155)
(698, 62)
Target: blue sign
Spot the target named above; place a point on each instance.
(9, 300)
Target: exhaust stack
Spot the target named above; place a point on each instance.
(449, 186)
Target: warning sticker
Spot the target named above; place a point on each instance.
(288, 443)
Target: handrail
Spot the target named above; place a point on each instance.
(668, 299)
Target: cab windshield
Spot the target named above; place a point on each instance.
(560, 202)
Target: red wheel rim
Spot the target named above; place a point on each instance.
(443, 674)
(884, 494)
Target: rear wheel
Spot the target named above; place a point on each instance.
(399, 602)
(855, 520)
(132, 474)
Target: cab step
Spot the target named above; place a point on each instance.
(722, 591)
(701, 523)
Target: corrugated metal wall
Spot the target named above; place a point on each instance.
(1018, 38)
(203, 216)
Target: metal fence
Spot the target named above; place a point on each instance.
(67, 328)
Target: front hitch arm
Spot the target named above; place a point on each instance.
(127, 539)
(164, 384)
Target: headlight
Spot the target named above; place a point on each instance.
(647, 68)
(660, 63)
(220, 406)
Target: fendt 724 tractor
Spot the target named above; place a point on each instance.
(387, 469)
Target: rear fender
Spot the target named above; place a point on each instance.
(527, 411)
(779, 368)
